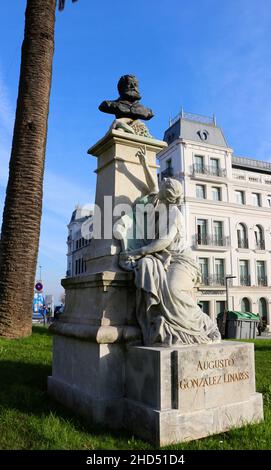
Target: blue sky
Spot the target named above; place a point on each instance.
(211, 56)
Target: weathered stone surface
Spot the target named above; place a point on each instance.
(118, 168)
(148, 376)
(187, 392)
(106, 298)
(139, 388)
(171, 426)
(97, 334)
(104, 411)
(215, 375)
(205, 376)
(93, 369)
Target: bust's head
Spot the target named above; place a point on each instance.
(128, 88)
(171, 191)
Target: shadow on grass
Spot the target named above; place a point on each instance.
(263, 347)
(24, 388)
(41, 330)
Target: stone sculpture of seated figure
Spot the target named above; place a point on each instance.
(165, 270)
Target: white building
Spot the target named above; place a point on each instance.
(76, 264)
(227, 208)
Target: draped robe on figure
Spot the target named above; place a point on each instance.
(165, 306)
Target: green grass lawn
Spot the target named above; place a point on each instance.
(29, 419)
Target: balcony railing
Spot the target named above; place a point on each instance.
(207, 170)
(211, 240)
(245, 281)
(167, 173)
(243, 243)
(213, 280)
(193, 117)
(260, 245)
(262, 281)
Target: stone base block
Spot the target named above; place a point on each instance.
(187, 392)
(101, 298)
(94, 370)
(171, 426)
(89, 378)
(104, 411)
(163, 394)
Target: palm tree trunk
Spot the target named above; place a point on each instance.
(23, 205)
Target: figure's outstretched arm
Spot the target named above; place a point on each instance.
(150, 179)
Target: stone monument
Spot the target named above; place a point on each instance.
(133, 350)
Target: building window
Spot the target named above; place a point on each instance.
(245, 305)
(219, 272)
(244, 272)
(205, 306)
(263, 308)
(259, 238)
(216, 193)
(199, 164)
(200, 191)
(202, 232)
(242, 239)
(76, 266)
(256, 199)
(169, 168)
(220, 306)
(269, 200)
(203, 263)
(261, 274)
(218, 233)
(168, 171)
(240, 197)
(214, 166)
(76, 244)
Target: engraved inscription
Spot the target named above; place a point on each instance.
(218, 364)
(225, 378)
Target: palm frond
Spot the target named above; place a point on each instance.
(61, 4)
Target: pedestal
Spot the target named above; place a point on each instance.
(120, 180)
(184, 393)
(90, 338)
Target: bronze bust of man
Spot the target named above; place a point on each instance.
(127, 105)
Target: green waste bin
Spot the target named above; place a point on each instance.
(238, 325)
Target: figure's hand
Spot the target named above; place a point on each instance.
(142, 155)
(137, 254)
(134, 253)
(143, 250)
(134, 257)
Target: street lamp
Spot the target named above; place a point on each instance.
(227, 290)
(227, 304)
